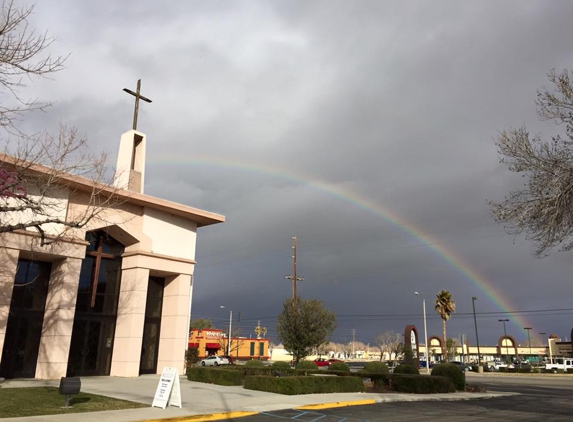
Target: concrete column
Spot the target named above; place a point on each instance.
(129, 325)
(58, 319)
(8, 267)
(174, 321)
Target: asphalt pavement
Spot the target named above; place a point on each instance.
(201, 400)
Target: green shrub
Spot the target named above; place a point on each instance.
(304, 385)
(453, 372)
(376, 371)
(503, 369)
(255, 362)
(191, 356)
(339, 366)
(375, 367)
(306, 364)
(217, 376)
(404, 368)
(281, 366)
(257, 370)
(570, 370)
(524, 370)
(422, 384)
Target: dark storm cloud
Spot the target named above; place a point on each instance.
(394, 102)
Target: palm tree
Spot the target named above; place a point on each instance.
(445, 306)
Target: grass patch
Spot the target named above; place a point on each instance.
(34, 401)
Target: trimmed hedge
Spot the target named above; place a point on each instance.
(375, 367)
(339, 366)
(255, 362)
(281, 366)
(377, 372)
(405, 368)
(422, 384)
(217, 376)
(304, 385)
(453, 372)
(307, 365)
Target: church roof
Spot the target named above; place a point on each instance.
(201, 217)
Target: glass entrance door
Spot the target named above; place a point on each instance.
(152, 325)
(96, 307)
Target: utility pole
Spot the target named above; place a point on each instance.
(294, 278)
(505, 336)
(528, 339)
(353, 340)
(476, 327)
(426, 347)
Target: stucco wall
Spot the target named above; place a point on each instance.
(172, 236)
(54, 204)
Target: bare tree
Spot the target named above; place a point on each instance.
(23, 55)
(42, 174)
(542, 209)
(387, 342)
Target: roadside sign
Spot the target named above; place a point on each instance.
(168, 391)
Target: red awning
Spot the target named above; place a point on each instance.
(194, 345)
(213, 346)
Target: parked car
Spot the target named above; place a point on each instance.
(494, 366)
(214, 361)
(230, 359)
(325, 362)
(423, 364)
(461, 365)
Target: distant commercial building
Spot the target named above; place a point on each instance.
(211, 341)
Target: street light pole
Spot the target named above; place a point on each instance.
(476, 326)
(544, 334)
(528, 339)
(505, 336)
(230, 327)
(427, 349)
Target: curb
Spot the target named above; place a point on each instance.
(333, 405)
(241, 414)
(205, 417)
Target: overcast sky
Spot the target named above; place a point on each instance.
(345, 123)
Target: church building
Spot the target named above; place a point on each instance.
(114, 299)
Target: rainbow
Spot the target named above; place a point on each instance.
(449, 256)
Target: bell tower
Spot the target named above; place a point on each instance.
(130, 168)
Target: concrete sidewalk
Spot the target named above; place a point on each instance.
(207, 399)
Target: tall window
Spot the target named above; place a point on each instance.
(100, 275)
(25, 319)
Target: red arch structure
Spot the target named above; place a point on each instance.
(507, 350)
(440, 342)
(408, 345)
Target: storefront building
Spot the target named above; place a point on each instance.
(215, 342)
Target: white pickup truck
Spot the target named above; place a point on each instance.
(495, 365)
(559, 363)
